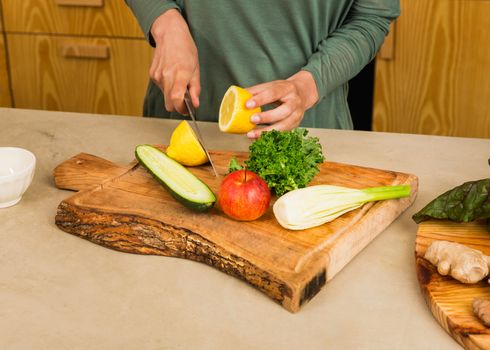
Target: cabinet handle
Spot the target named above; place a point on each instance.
(70, 50)
(87, 3)
(387, 50)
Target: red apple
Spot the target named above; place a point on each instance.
(244, 195)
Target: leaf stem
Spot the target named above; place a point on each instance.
(387, 192)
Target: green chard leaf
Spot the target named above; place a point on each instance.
(286, 160)
(467, 202)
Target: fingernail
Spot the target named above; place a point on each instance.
(251, 135)
(255, 119)
(250, 104)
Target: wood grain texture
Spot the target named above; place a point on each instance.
(387, 50)
(45, 16)
(43, 79)
(84, 171)
(87, 3)
(449, 300)
(133, 213)
(5, 95)
(438, 82)
(72, 50)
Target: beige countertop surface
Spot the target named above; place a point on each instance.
(58, 291)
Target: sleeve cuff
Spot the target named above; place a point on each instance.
(322, 91)
(148, 11)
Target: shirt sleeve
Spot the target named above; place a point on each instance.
(147, 11)
(344, 53)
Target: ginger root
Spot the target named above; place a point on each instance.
(465, 264)
(481, 309)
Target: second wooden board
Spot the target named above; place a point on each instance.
(449, 300)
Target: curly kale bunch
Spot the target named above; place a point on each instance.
(286, 160)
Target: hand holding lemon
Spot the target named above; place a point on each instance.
(240, 106)
(240, 110)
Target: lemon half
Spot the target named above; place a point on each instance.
(185, 147)
(234, 116)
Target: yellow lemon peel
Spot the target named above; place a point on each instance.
(184, 146)
(234, 116)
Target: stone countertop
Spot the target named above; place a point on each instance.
(58, 291)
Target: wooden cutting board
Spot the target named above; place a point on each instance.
(449, 300)
(124, 208)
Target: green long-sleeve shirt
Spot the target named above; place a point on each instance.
(247, 42)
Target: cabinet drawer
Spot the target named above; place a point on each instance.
(71, 17)
(92, 75)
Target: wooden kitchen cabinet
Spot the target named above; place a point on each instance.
(432, 77)
(71, 17)
(5, 98)
(48, 75)
(76, 55)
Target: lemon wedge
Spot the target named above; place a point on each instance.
(184, 146)
(234, 116)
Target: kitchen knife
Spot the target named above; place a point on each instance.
(192, 113)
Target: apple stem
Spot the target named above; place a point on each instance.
(245, 175)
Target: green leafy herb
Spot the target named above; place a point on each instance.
(467, 202)
(286, 160)
(234, 165)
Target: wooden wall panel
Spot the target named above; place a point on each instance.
(42, 78)
(45, 16)
(437, 82)
(5, 97)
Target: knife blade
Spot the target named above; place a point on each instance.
(192, 113)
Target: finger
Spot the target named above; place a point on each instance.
(168, 102)
(254, 90)
(270, 95)
(283, 125)
(156, 75)
(166, 96)
(195, 87)
(167, 91)
(274, 115)
(155, 71)
(177, 92)
(255, 133)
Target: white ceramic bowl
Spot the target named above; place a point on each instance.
(16, 172)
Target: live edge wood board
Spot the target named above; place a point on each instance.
(124, 208)
(449, 300)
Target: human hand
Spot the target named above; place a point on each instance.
(294, 96)
(175, 65)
